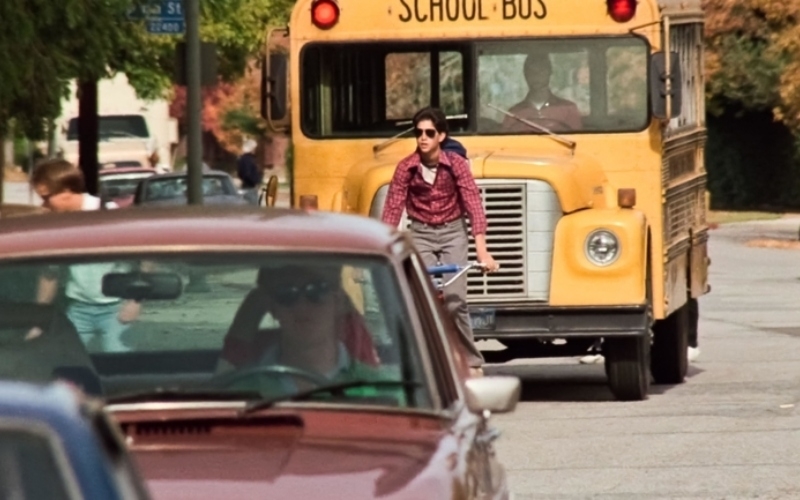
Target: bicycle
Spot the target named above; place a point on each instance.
(437, 273)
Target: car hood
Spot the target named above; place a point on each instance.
(301, 454)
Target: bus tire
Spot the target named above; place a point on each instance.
(669, 358)
(627, 361)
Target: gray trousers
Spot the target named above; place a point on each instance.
(449, 244)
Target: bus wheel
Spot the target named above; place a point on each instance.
(627, 361)
(669, 360)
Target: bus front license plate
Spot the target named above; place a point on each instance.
(482, 319)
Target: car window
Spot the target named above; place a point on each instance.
(114, 126)
(227, 322)
(175, 187)
(29, 469)
(113, 186)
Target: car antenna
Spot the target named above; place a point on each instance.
(563, 140)
(383, 145)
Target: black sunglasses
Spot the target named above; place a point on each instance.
(431, 133)
(46, 198)
(313, 292)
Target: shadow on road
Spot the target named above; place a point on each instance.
(568, 382)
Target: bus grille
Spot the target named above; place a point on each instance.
(522, 217)
(504, 205)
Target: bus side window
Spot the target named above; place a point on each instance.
(408, 84)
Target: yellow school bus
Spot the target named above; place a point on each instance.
(594, 190)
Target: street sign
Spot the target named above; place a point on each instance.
(164, 17)
(165, 10)
(165, 27)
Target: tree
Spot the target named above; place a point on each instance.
(753, 57)
(46, 44)
(753, 95)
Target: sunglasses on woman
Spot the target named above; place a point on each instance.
(314, 292)
(430, 132)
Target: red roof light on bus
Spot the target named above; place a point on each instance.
(324, 13)
(621, 11)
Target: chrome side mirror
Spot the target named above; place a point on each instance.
(497, 394)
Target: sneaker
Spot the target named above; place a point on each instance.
(592, 359)
(476, 372)
(693, 353)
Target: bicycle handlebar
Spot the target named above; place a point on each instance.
(444, 269)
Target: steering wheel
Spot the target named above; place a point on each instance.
(228, 379)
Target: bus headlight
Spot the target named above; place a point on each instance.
(602, 247)
(376, 209)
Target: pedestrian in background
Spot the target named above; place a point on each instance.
(249, 172)
(62, 188)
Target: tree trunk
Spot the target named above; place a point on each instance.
(88, 133)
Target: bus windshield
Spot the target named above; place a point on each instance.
(491, 87)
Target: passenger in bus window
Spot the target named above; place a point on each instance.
(540, 105)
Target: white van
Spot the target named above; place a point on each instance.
(131, 129)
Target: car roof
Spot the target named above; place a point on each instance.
(126, 170)
(50, 403)
(181, 174)
(218, 228)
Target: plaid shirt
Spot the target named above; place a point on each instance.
(453, 193)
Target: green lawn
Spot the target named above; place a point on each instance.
(724, 217)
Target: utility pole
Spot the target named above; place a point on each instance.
(88, 133)
(194, 139)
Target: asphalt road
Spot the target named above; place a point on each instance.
(732, 430)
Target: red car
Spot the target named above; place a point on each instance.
(118, 184)
(250, 353)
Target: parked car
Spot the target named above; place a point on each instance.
(119, 183)
(57, 445)
(315, 358)
(170, 189)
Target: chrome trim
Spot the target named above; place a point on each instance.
(284, 405)
(407, 294)
(168, 249)
(444, 341)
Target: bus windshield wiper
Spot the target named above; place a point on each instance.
(338, 388)
(563, 140)
(381, 146)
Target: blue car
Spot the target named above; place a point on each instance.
(55, 444)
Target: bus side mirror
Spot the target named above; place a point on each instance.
(274, 91)
(658, 85)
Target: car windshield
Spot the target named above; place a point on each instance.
(121, 185)
(175, 187)
(260, 325)
(114, 126)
